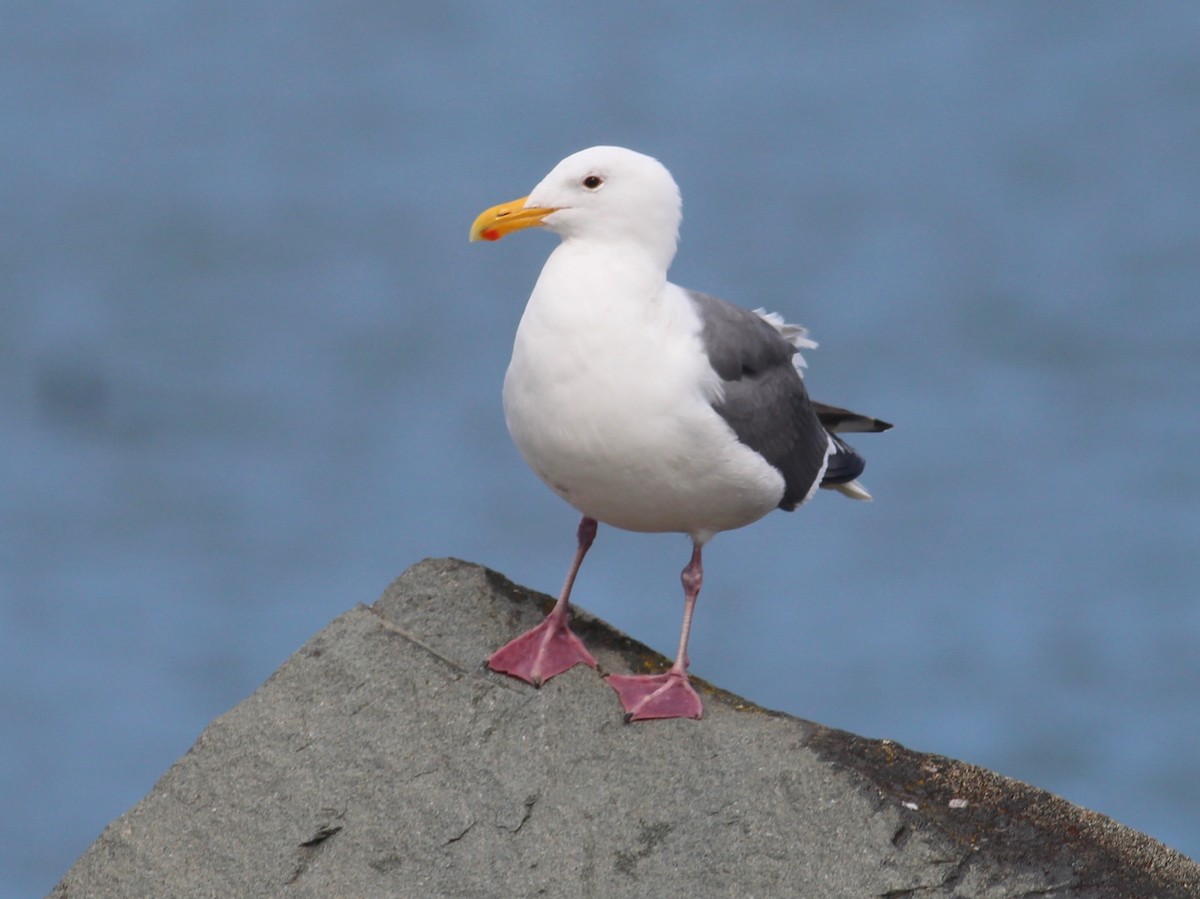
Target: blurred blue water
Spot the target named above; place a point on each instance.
(250, 368)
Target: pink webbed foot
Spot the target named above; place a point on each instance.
(541, 653)
(668, 695)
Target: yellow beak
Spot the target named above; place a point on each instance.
(494, 223)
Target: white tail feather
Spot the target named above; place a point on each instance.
(852, 489)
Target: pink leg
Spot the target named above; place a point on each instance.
(667, 695)
(550, 648)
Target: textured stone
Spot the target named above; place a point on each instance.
(382, 759)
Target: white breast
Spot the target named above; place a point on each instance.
(608, 397)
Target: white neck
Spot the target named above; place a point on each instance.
(624, 268)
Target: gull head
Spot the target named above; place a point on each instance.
(602, 194)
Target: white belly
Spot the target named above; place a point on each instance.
(611, 407)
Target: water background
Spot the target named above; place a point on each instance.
(250, 367)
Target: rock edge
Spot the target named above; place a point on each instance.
(383, 759)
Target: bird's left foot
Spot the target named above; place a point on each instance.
(668, 695)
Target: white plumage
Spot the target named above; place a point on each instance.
(647, 406)
(611, 404)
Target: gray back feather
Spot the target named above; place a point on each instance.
(765, 401)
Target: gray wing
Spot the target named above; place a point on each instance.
(765, 401)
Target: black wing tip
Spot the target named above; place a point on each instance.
(845, 464)
(836, 419)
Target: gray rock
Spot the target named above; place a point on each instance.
(383, 760)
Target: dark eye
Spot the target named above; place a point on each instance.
(591, 182)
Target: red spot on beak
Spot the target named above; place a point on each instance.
(490, 234)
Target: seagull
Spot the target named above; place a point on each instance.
(647, 406)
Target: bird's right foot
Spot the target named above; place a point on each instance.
(541, 653)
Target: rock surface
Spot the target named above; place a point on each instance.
(382, 759)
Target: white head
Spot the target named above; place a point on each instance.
(602, 194)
